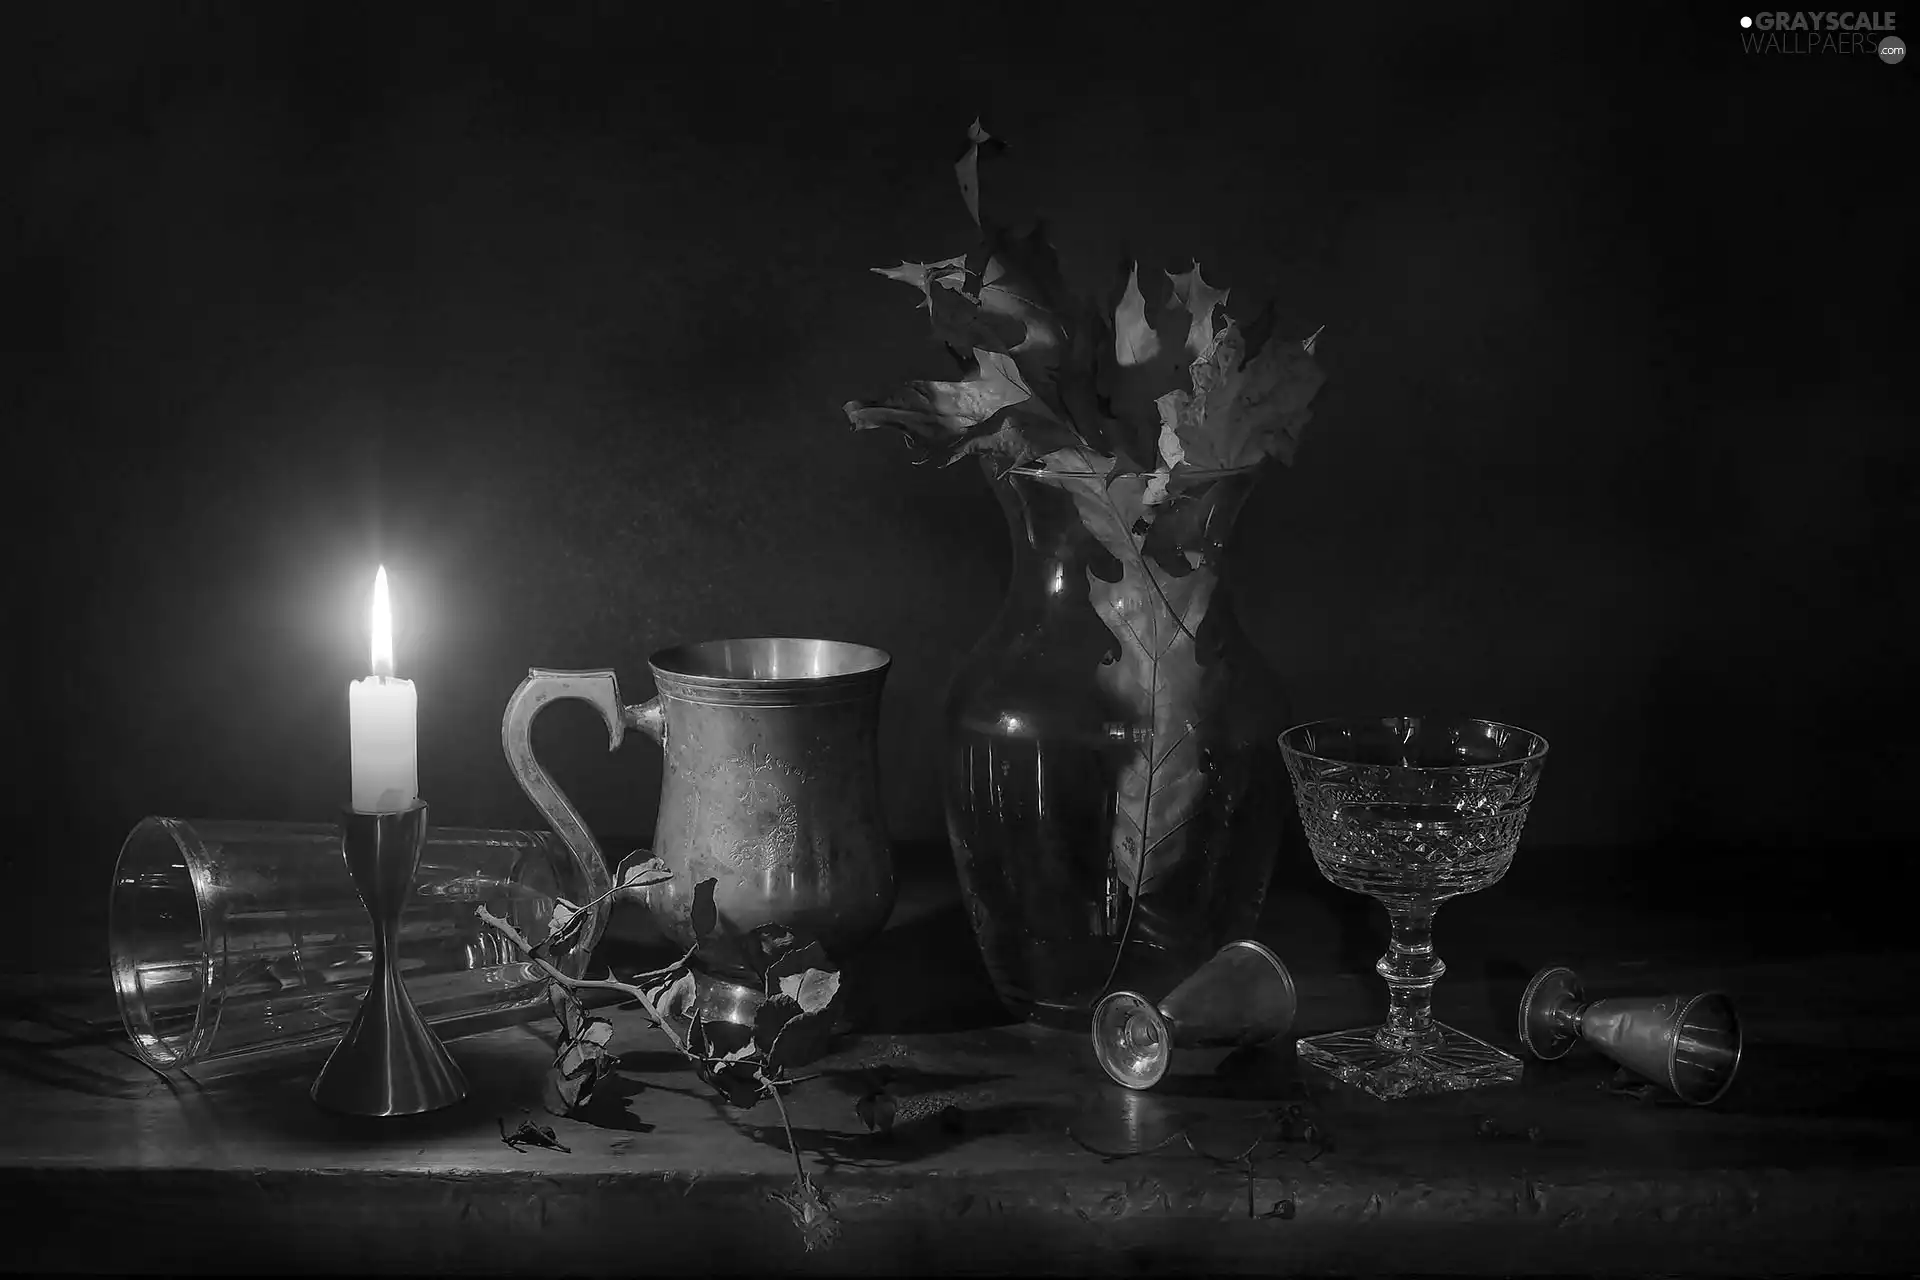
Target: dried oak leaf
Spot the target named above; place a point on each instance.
(1243, 408)
(1134, 340)
(1188, 529)
(967, 167)
(1019, 276)
(1198, 299)
(991, 410)
(1145, 361)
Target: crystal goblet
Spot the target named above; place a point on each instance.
(1412, 810)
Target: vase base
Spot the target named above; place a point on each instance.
(1457, 1061)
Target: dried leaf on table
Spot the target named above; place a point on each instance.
(876, 1110)
(530, 1134)
(811, 1213)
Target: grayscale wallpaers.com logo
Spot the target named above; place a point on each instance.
(1826, 32)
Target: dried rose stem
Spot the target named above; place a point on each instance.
(597, 984)
(772, 1088)
(580, 912)
(793, 1145)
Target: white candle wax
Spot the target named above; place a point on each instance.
(381, 719)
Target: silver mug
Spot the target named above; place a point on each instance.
(770, 785)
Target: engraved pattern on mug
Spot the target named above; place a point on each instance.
(764, 805)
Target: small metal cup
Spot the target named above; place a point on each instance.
(1242, 996)
(1690, 1044)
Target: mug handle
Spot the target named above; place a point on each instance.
(601, 691)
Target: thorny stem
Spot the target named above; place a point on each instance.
(769, 1085)
(793, 1145)
(597, 984)
(580, 912)
(627, 989)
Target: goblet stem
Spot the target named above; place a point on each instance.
(1411, 969)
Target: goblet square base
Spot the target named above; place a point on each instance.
(1456, 1061)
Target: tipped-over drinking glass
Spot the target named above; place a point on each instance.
(1412, 810)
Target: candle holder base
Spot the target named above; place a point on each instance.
(389, 1062)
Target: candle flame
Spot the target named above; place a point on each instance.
(382, 625)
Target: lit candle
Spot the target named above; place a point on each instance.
(386, 761)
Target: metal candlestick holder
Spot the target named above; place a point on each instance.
(389, 1063)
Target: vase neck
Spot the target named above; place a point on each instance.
(1064, 527)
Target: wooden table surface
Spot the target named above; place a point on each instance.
(1011, 1151)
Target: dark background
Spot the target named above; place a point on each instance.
(551, 309)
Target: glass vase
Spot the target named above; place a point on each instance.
(1112, 777)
